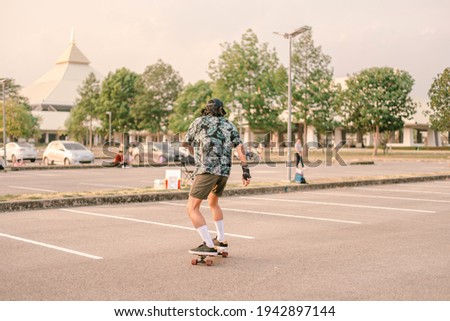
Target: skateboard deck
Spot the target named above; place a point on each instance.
(207, 259)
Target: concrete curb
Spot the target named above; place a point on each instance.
(16, 206)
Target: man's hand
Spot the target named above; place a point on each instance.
(245, 175)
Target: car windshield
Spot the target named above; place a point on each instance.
(26, 145)
(74, 146)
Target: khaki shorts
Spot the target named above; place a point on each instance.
(208, 183)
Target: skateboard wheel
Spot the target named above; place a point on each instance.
(209, 262)
(224, 254)
(194, 262)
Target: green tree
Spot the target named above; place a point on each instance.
(118, 95)
(439, 104)
(159, 87)
(315, 97)
(189, 105)
(85, 109)
(377, 100)
(20, 122)
(324, 101)
(250, 75)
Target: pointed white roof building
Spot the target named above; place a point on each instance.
(58, 88)
(53, 95)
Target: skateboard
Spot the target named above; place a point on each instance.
(205, 259)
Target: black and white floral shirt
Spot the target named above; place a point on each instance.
(213, 139)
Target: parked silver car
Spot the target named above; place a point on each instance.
(153, 152)
(19, 151)
(67, 153)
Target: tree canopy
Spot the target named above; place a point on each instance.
(248, 74)
(85, 109)
(20, 122)
(439, 95)
(378, 100)
(315, 97)
(189, 105)
(118, 96)
(158, 89)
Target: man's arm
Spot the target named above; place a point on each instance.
(245, 170)
(241, 154)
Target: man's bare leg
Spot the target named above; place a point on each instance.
(198, 220)
(217, 214)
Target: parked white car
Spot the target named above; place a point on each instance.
(67, 153)
(19, 152)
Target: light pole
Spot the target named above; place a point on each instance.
(109, 139)
(240, 120)
(4, 123)
(290, 36)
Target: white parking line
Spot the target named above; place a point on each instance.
(34, 189)
(148, 222)
(275, 214)
(428, 185)
(380, 197)
(106, 185)
(337, 204)
(399, 190)
(62, 249)
(446, 183)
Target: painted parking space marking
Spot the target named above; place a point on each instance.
(380, 197)
(50, 246)
(148, 222)
(399, 190)
(429, 186)
(442, 183)
(337, 204)
(106, 185)
(34, 189)
(274, 214)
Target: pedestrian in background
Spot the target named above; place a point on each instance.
(299, 153)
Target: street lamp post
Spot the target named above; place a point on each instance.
(109, 139)
(240, 120)
(290, 36)
(4, 123)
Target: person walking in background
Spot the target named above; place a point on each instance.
(299, 153)
(211, 138)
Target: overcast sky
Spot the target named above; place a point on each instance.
(411, 35)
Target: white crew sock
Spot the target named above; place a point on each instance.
(220, 230)
(203, 231)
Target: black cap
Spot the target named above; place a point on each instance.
(214, 107)
(215, 103)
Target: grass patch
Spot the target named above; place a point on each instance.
(100, 193)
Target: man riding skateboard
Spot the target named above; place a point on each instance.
(211, 138)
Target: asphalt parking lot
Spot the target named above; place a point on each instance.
(93, 179)
(388, 242)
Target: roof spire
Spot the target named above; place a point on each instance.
(72, 54)
(72, 37)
